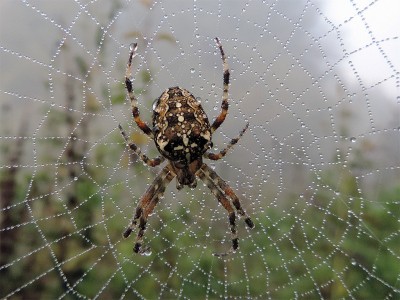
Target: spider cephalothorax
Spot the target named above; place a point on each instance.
(182, 134)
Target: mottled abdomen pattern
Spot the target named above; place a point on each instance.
(180, 126)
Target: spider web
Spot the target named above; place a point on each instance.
(318, 170)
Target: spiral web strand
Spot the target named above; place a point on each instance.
(317, 170)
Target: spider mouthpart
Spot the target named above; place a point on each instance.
(193, 184)
(179, 186)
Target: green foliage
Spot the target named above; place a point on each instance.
(338, 240)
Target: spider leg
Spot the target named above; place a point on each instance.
(227, 205)
(139, 248)
(224, 106)
(150, 162)
(146, 198)
(214, 177)
(146, 206)
(129, 86)
(223, 152)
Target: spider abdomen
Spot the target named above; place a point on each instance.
(180, 126)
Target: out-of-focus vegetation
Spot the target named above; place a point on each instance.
(334, 243)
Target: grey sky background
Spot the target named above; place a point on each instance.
(297, 68)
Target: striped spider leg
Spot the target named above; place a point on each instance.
(222, 191)
(146, 206)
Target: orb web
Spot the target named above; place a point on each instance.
(317, 169)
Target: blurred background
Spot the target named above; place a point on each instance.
(318, 170)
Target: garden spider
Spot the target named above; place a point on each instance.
(182, 134)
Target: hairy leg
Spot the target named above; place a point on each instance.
(147, 204)
(227, 205)
(223, 152)
(228, 192)
(129, 86)
(150, 162)
(224, 106)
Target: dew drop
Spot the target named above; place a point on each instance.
(147, 252)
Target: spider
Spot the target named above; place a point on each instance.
(182, 134)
